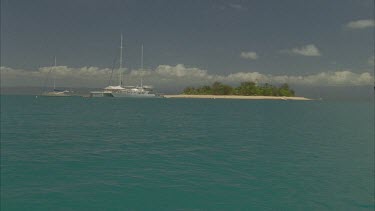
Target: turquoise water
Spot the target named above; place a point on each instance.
(185, 154)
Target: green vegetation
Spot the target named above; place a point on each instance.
(245, 89)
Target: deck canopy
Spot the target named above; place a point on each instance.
(114, 88)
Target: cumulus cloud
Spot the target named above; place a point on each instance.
(172, 76)
(360, 24)
(344, 77)
(64, 76)
(249, 55)
(307, 50)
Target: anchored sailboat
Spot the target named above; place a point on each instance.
(139, 91)
(107, 91)
(56, 92)
(126, 91)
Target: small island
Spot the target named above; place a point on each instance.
(246, 90)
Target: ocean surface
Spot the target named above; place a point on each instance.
(185, 154)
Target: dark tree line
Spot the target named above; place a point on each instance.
(245, 89)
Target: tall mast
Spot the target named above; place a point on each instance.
(120, 69)
(142, 57)
(141, 64)
(54, 76)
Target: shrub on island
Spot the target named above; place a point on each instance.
(245, 89)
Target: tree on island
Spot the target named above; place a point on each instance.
(245, 89)
(218, 88)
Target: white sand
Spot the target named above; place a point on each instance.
(236, 97)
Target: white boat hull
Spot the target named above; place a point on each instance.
(56, 94)
(101, 94)
(135, 95)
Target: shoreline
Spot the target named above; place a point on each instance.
(237, 97)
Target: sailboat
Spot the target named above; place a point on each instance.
(56, 92)
(126, 91)
(139, 91)
(109, 90)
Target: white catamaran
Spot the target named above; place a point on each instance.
(126, 91)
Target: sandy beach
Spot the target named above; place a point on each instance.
(236, 97)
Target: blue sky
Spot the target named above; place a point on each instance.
(291, 37)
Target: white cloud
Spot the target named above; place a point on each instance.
(180, 71)
(361, 24)
(172, 76)
(344, 77)
(249, 55)
(65, 76)
(307, 50)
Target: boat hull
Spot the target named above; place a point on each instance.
(131, 95)
(56, 94)
(101, 94)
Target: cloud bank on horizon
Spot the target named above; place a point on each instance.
(167, 76)
(221, 36)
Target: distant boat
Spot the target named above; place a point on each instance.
(136, 92)
(107, 91)
(139, 91)
(126, 91)
(101, 94)
(56, 92)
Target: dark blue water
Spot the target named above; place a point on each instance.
(184, 154)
